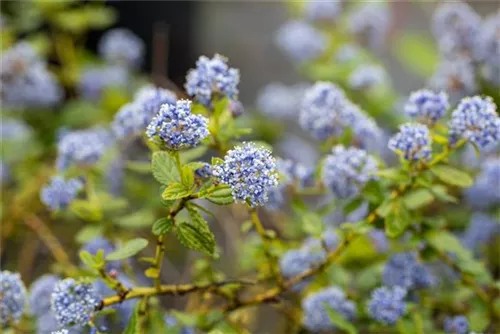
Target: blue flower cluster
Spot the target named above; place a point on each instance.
(133, 118)
(212, 77)
(58, 194)
(250, 171)
(476, 120)
(404, 270)
(455, 76)
(387, 305)
(427, 106)
(379, 239)
(456, 27)
(347, 170)
(481, 230)
(456, 325)
(204, 172)
(488, 49)
(485, 192)
(40, 294)
(94, 80)
(107, 246)
(370, 22)
(121, 46)
(172, 323)
(280, 101)
(12, 297)
(413, 142)
(315, 307)
(176, 127)
(25, 79)
(301, 41)
(73, 303)
(296, 261)
(328, 242)
(322, 11)
(367, 76)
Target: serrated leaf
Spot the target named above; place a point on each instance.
(339, 321)
(129, 249)
(397, 221)
(418, 198)
(221, 195)
(152, 273)
(199, 222)
(175, 191)
(452, 176)
(164, 168)
(162, 226)
(187, 176)
(194, 239)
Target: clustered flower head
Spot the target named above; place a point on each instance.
(367, 76)
(250, 171)
(82, 147)
(122, 46)
(40, 294)
(371, 23)
(347, 170)
(485, 192)
(94, 245)
(204, 172)
(404, 270)
(301, 41)
(387, 305)
(94, 80)
(315, 307)
(427, 106)
(280, 101)
(475, 119)
(456, 76)
(413, 142)
(176, 127)
(481, 230)
(25, 79)
(456, 26)
(296, 261)
(488, 48)
(59, 193)
(12, 297)
(456, 325)
(212, 77)
(73, 303)
(326, 11)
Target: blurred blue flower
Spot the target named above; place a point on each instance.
(427, 106)
(457, 77)
(280, 101)
(40, 294)
(301, 41)
(456, 325)
(13, 297)
(326, 10)
(367, 76)
(403, 270)
(387, 305)
(481, 230)
(59, 193)
(370, 22)
(122, 46)
(485, 192)
(94, 80)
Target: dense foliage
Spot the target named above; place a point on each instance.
(336, 206)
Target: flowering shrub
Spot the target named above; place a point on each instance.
(337, 205)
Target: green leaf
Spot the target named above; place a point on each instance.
(312, 224)
(418, 198)
(162, 226)
(353, 205)
(175, 191)
(441, 193)
(139, 219)
(397, 221)
(89, 232)
(194, 239)
(129, 249)
(452, 176)
(140, 167)
(86, 210)
(133, 326)
(187, 176)
(152, 273)
(417, 53)
(385, 208)
(164, 168)
(87, 259)
(221, 195)
(199, 222)
(339, 321)
(193, 154)
(393, 174)
(156, 322)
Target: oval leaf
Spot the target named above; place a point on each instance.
(452, 176)
(164, 168)
(129, 249)
(162, 226)
(194, 239)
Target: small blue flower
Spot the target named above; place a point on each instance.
(455, 27)
(277, 194)
(73, 303)
(82, 147)
(94, 80)
(176, 127)
(296, 261)
(323, 112)
(12, 297)
(367, 76)
(427, 106)
(316, 317)
(212, 77)
(40, 293)
(204, 172)
(456, 76)
(387, 305)
(476, 120)
(380, 240)
(404, 270)
(328, 10)
(456, 325)
(485, 192)
(347, 53)
(107, 246)
(171, 322)
(236, 108)
(58, 194)
(370, 22)
(301, 41)
(280, 101)
(488, 43)
(122, 46)
(482, 229)
(150, 99)
(413, 142)
(250, 171)
(347, 170)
